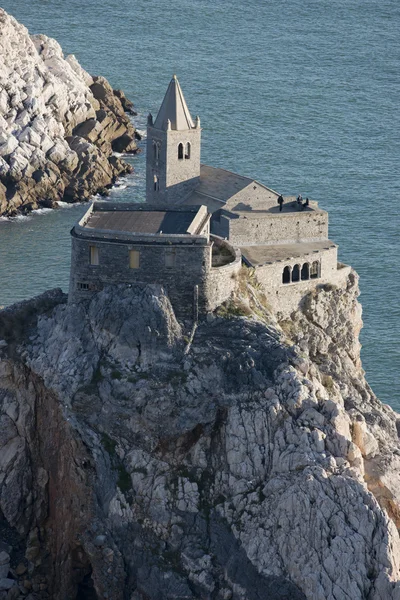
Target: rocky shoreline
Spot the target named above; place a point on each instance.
(59, 126)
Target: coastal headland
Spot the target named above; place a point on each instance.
(153, 447)
(59, 126)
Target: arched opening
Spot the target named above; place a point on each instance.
(156, 183)
(180, 151)
(314, 271)
(305, 272)
(286, 275)
(296, 273)
(156, 149)
(187, 151)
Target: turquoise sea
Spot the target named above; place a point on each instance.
(303, 96)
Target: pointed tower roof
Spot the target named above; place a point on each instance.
(174, 109)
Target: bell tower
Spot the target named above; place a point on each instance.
(173, 150)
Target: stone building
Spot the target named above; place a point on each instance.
(196, 226)
(289, 249)
(138, 243)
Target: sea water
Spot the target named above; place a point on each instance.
(303, 96)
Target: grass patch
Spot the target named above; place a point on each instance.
(288, 328)
(327, 382)
(234, 308)
(329, 287)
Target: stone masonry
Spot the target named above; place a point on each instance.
(103, 254)
(286, 244)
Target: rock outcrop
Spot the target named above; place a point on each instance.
(250, 462)
(59, 126)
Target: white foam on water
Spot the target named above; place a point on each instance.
(20, 218)
(42, 211)
(62, 204)
(119, 188)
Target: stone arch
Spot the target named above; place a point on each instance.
(296, 273)
(180, 151)
(305, 272)
(187, 150)
(286, 275)
(314, 271)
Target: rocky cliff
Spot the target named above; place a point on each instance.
(251, 462)
(58, 125)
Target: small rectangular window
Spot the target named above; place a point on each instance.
(94, 255)
(134, 259)
(170, 258)
(82, 286)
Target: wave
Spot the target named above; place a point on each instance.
(119, 188)
(42, 211)
(18, 218)
(62, 204)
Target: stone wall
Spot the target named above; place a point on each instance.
(156, 166)
(285, 298)
(192, 262)
(222, 281)
(273, 228)
(192, 279)
(220, 224)
(177, 177)
(255, 195)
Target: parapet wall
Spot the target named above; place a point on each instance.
(221, 281)
(275, 228)
(285, 298)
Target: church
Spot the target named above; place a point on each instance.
(198, 225)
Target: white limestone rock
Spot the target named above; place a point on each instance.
(43, 98)
(242, 466)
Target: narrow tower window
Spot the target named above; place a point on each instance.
(180, 151)
(156, 183)
(94, 255)
(187, 151)
(156, 149)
